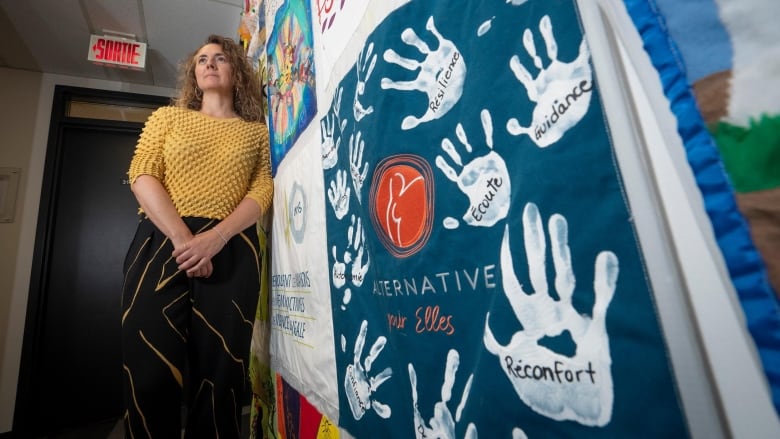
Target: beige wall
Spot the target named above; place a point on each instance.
(24, 130)
(20, 93)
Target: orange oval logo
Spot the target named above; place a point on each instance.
(401, 203)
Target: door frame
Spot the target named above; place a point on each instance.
(26, 420)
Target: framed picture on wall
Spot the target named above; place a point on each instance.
(9, 180)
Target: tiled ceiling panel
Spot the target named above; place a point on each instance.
(52, 36)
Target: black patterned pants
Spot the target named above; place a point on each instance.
(185, 341)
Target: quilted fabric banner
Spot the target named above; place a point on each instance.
(453, 253)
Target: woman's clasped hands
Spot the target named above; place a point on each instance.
(194, 254)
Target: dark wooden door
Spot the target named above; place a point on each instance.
(71, 373)
(81, 368)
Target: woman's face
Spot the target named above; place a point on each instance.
(213, 70)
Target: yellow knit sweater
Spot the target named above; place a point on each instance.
(207, 165)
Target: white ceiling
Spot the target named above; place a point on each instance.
(52, 36)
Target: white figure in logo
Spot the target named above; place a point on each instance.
(442, 424)
(561, 91)
(485, 179)
(441, 77)
(576, 388)
(358, 385)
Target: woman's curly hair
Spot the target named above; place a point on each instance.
(247, 95)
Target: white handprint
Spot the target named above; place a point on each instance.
(562, 91)
(485, 180)
(330, 147)
(336, 106)
(578, 387)
(357, 108)
(338, 194)
(339, 274)
(356, 146)
(358, 386)
(345, 300)
(441, 76)
(518, 433)
(442, 424)
(357, 237)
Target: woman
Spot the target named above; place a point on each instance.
(201, 175)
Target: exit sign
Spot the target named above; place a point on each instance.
(118, 52)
